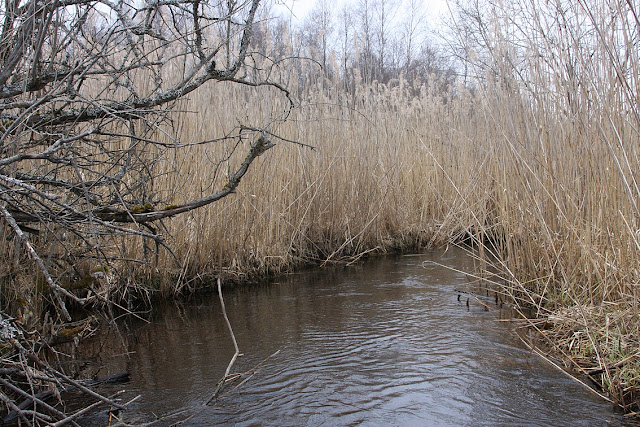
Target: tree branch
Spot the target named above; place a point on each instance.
(55, 288)
(261, 145)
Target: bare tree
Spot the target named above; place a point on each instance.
(317, 32)
(412, 28)
(86, 88)
(366, 57)
(384, 13)
(88, 98)
(345, 23)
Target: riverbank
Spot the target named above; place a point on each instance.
(530, 155)
(392, 171)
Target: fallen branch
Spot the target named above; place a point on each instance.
(224, 379)
(85, 410)
(23, 393)
(55, 288)
(38, 400)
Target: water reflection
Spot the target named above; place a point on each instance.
(386, 342)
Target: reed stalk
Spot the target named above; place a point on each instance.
(538, 163)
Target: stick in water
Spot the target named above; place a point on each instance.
(235, 345)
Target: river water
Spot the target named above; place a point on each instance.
(386, 342)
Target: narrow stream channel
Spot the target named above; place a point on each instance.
(383, 343)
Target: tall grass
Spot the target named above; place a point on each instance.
(373, 181)
(540, 159)
(542, 162)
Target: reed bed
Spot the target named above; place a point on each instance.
(545, 192)
(539, 171)
(371, 183)
(396, 171)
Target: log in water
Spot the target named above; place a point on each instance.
(386, 342)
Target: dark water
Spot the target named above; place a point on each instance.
(384, 343)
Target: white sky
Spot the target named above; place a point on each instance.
(300, 8)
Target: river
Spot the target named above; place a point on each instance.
(385, 342)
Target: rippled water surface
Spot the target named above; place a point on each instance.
(383, 343)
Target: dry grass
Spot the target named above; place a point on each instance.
(375, 180)
(549, 178)
(554, 189)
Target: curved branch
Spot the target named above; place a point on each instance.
(261, 145)
(137, 107)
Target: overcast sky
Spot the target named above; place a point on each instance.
(300, 8)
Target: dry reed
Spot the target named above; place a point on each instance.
(551, 185)
(544, 167)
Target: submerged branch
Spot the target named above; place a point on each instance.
(224, 379)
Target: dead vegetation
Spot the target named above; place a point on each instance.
(536, 161)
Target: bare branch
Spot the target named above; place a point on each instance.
(257, 149)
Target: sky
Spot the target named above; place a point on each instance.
(301, 7)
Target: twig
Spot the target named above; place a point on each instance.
(254, 370)
(10, 404)
(486, 307)
(29, 396)
(55, 288)
(85, 410)
(361, 254)
(233, 337)
(61, 376)
(235, 345)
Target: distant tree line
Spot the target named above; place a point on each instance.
(363, 41)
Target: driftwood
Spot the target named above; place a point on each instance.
(30, 386)
(226, 376)
(42, 397)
